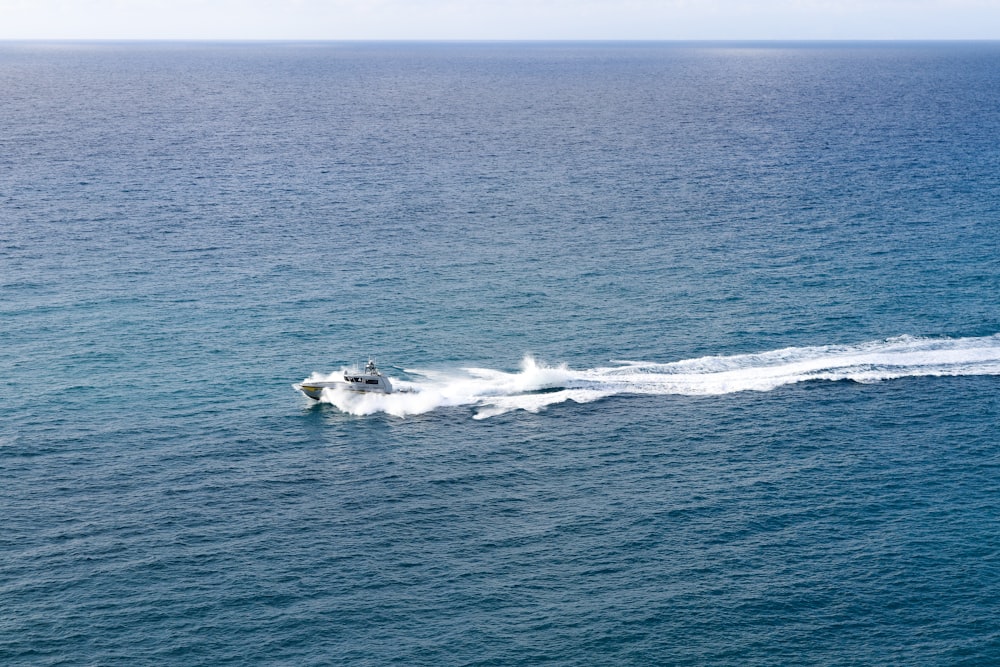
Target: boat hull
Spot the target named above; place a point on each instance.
(314, 390)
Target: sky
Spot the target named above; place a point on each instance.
(500, 19)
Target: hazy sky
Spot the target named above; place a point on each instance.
(500, 19)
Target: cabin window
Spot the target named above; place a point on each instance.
(371, 381)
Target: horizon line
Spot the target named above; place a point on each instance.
(512, 40)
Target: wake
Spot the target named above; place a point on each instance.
(537, 386)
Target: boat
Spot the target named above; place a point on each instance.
(370, 380)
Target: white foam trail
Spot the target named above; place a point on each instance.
(536, 386)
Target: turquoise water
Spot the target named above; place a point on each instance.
(704, 343)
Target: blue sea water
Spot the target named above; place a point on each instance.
(704, 341)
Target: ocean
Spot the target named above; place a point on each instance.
(702, 343)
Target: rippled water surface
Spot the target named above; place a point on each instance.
(702, 345)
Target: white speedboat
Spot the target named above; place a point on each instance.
(369, 380)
